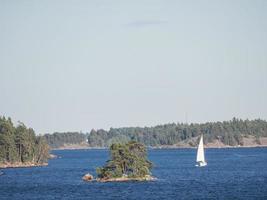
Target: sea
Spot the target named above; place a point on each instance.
(231, 173)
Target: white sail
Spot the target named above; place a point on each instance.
(200, 153)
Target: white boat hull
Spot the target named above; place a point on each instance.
(201, 164)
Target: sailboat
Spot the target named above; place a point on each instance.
(200, 154)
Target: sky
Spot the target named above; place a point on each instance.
(77, 65)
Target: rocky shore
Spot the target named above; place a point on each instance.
(126, 179)
(248, 142)
(52, 156)
(21, 165)
(88, 177)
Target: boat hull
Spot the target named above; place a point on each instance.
(201, 164)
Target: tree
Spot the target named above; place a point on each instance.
(57, 139)
(19, 144)
(41, 150)
(229, 132)
(7, 141)
(128, 159)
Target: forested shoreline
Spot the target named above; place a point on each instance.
(60, 139)
(230, 133)
(19, 146)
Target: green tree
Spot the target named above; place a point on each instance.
(19, 144)
(41, 150)
(128, 159)
(229, 132)
(7, 141)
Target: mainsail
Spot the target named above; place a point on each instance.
(200, 153)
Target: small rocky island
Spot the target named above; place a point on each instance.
(128, 162)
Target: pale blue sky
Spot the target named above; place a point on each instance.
(76, 65)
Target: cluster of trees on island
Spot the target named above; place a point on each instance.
(19, 144)
(127, 160)
(228, 132)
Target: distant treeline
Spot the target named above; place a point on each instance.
(228, 132)
(20, 145)
(57, 139)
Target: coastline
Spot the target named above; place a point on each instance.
(125, 179)
(77, 148)
(168, 147)
(21, 165)
(248, 142)
(89, 178)
(208, 147)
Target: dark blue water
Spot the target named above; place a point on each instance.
(230, 174)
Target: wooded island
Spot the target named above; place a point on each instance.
(128, 162)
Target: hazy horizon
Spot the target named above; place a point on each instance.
(77, 65)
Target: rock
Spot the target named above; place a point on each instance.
(150, 178)
(88, 177)
(20, 164)
(52, 156)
